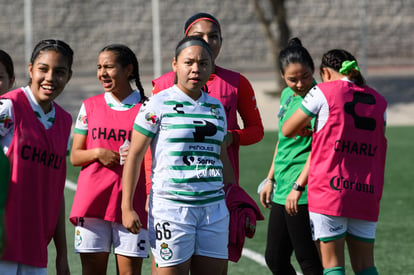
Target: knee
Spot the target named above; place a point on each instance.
(278, 265)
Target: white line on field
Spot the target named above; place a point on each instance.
(70, 185)
(252, 255)
(258, 258)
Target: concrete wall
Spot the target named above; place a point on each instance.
(88, 25)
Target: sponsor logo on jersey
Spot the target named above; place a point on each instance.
(339, 183)
(207, 172)
(334, 229)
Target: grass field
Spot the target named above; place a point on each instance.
(394, 242)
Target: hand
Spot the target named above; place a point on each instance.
(266, 193)
(292, 199)
(108, 157)
(123, 154)
(147, 203)
(305, 131)
(130, 221)
(229, 139)
(249, 227)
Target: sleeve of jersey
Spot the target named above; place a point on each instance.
(312, 102)
(253, 130)
(148, 119)
(81, 123)
(6, 116)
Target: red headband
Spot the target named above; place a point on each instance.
(200, 19)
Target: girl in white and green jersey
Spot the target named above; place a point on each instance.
(186, 128)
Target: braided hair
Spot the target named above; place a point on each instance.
(335, 58)
(126, 56)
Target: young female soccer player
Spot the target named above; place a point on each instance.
(34, 133)
(288, 233)
(6, 83)
(346, 174)
(7, 76)
(232, 89)
(186, 128)
(104, 123)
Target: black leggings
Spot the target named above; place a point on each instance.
(287, 233)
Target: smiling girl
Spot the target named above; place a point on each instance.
(34, 133)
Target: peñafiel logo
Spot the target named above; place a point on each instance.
(339, 183)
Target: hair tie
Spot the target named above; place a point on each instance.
(189, 43)
(347, 66)
(201, 19)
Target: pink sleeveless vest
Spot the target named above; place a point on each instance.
(99, 189)
(346, 175)
(38, 172)
(224, 86)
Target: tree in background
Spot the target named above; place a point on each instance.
(278, 39)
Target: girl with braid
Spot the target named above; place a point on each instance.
(104, 123)
(346, 173)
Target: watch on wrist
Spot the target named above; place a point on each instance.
(297, 187)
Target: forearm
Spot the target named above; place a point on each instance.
(302, 179)
(81, 157)
(253, 130)
(228, 173)
(271, 173)
(59, 236)
(132, 168)
(250, 134)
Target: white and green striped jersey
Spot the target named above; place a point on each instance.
(187, 136)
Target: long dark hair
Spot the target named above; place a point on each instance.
(295, 53)
(126, 56)
(7, 61)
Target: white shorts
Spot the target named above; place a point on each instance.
(178, 232)
(15, 268)
(327, 228)
(96, 235)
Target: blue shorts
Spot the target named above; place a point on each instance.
(7, 267)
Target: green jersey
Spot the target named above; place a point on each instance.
(291, 154)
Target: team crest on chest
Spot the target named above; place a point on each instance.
(214, 111)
